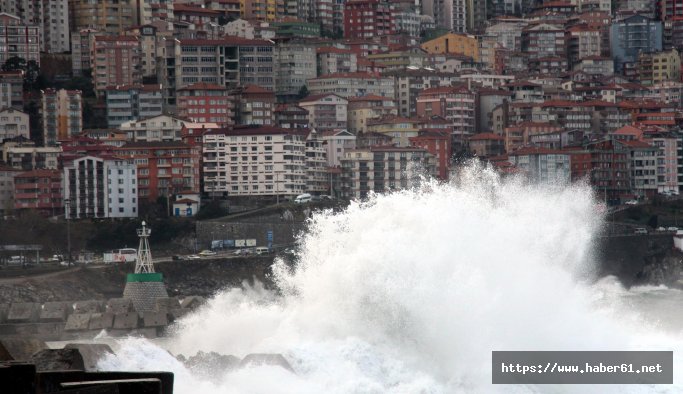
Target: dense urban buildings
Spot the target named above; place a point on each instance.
(262, 100)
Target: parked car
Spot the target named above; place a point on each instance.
(631, 202)
(661, 229)
(207, 253)
(303, 198)
(242, 252)
(326, 197)
(193, 257)
(641, 230)
(672, 228)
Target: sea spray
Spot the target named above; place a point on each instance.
(409, 292)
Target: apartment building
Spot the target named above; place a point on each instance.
(295, 64)
(108, 16)
(164, 128)
(163, 167)
(7, 175)
(13, 123)
(12, 89)
(116, 62)
(128, 103)
(82, 44)
(62, 115)
(326, 112)
(409, 83)
(255, 161)
(352, 84)
(331, 60)
(654, 68)
(291, 116)
(631, 35)
(382, 169)
(543, 165)
(21, 40)
(254, 105)
(206, 103)
(368, 18)
(28, 157)
(40, 191)
(456, 104)
(363, 109)
(454, 43)
(100, 188)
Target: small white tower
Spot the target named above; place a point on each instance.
(144, 262)
(144, 286)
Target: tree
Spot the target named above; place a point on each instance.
(14, 63)
(31, 70)
(303, 92)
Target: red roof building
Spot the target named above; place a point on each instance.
(39, 190)
(206, 103)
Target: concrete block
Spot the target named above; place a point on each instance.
(154, 319)
(21, 349)
(127, 321)
(91, 353)
(192, 302)
(101, 321)
(165, 304)
(177, 314)
(23, 312)
(90, 306)
(78, 322)
(120, 305)
(58, 360)
(149, 333)
(55, 311)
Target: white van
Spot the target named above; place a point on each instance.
(262, 250)
(302, 198)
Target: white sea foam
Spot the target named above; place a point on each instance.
(411, 291)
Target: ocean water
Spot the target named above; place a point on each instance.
(410, 292)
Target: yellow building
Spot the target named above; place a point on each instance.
(654, 68)
(461, 44)
(262, 10)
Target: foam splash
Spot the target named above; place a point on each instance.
(411, 291)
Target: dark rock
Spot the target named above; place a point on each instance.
(58, 360)
(91, 353)
(210, 365)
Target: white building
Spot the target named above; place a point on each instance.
(13, 123)
(255, 161)
(157, 128)
(543, 165)
(352, 84)
(326, 111)
(239, 28)
(99, 188)
(337, 143)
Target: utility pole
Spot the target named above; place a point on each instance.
(67, 203)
